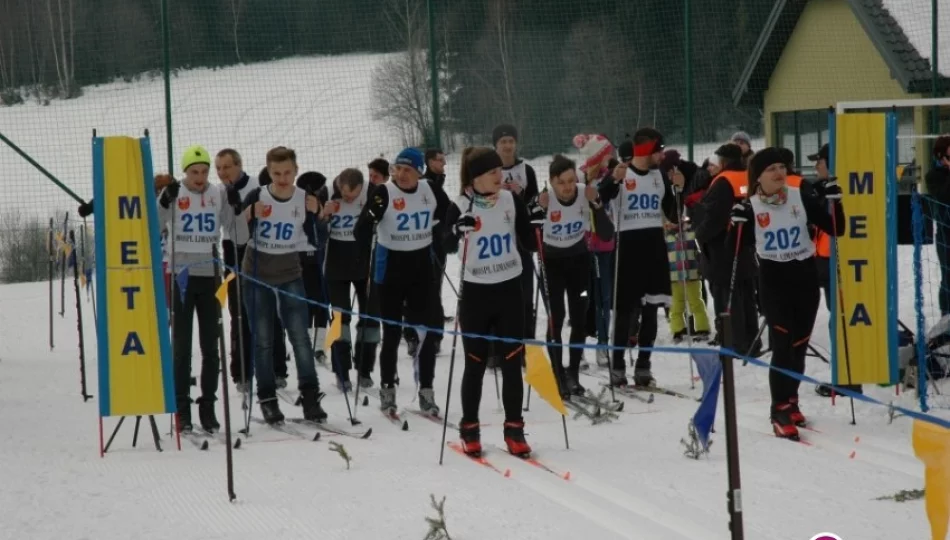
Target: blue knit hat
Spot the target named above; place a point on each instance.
(412, 157)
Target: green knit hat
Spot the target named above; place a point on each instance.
(194, 155)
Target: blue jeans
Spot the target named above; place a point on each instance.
(604, 296)
(262, 304)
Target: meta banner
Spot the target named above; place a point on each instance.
(135, 362)
(864, 260)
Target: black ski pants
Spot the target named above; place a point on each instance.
(568, 276)
(367, 330)
(316, 292)
(790, 305)
(409, 296)
(199, 298)
(743, 316)
(492, 310)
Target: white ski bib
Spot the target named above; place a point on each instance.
(240, 224)
(343, 223)
(492, 255)
(517, 174)
(407, 223)
(280, 228)
(566, 225)
(640, 200)
(197, 226)
(781, 232)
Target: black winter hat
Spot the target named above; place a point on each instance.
(504, 130)
(311, 181)
(730, 152)
(762, 160)
(822, 154)
(788, 157)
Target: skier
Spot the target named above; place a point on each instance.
(348, 266)
(520, 179)
(311, 259)
(378, 171)
(776, 218)
(495, 225)
(201, 212)
(402, 213)
(281, 218)
(566, 219)
(644, 195)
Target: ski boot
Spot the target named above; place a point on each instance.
(427, 402)
(603, 357)
(310, 401)
(678, 337)
(270, 410)
(643, 377)
(782, 423)
(280, 382)
(387, 399)
(573, 377)
(563, 384)
(365, 381)
(343, 383)
(471, 436)
(206, 416)
(183, 423)
(618, 377)
(514, 439)
(796, 414)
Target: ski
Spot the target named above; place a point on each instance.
(666, 392)
(531, 460)
(392, 416)
(434, 419)
(631, 392)
(600, 401)
(219, 437)
(478, 459)
(332, 429)
(286, 429)
(200, 441)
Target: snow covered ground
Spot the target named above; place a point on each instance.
(628, 479)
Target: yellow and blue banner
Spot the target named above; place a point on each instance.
(135, 361)
(864, 261)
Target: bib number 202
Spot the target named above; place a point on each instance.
(494, 245)
(783, 239)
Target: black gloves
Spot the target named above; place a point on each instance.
(85, 209)
(741, 212)
(536, 213)
(234, 197)
(829, 189)
(465, 224)
(169, 194)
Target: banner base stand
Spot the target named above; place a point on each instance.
(135, 434)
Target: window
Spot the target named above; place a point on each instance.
(803, 132)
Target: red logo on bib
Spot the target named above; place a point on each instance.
(478, 223)
(631, 184)
(399, 203)
(555, 216)
(266, 210)
(764, 219)
(184, 203)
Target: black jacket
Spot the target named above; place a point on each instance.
(938, 189)
(716, 239)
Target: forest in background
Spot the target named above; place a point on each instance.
(554, 68)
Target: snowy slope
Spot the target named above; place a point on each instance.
(628, 479)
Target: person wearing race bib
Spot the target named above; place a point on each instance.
(519, 178)
(776, 219)
(644, 197)
(496, 229)
(281, 218)
(566, 220)
(402, 213)
(195, 222)
(347, 266)
(312, 259)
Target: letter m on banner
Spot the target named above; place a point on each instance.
(135, 363)
(864, 260)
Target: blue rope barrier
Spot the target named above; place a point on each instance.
(673, 350)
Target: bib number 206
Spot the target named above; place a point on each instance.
(494, 245)
(783, 239)
(643, 202)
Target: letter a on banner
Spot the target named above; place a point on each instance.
(135, 364)
(864, 261)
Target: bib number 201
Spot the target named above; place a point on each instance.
(276, 231)
(494, 245)
(419, 221)
(783, 239)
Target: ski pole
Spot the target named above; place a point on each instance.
(242, 356)
(681, 248)
(85, 264)
(82, 343)
(844, 327)
(547, 308)
(229, 461)
(52, 253)
(62, 269)
(360, 346)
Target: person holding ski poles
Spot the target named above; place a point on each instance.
(644, 196)
(347, 266)
(566, 216)
(402, 214)
(201, 211)
(494, 229)
(281, 218)
(776, 218)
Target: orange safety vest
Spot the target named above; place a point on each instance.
(739, 180)
(793, 180)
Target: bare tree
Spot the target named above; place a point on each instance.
(237, 9)
(23, 250)
(62, 34)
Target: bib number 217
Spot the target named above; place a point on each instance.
(418, 220)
